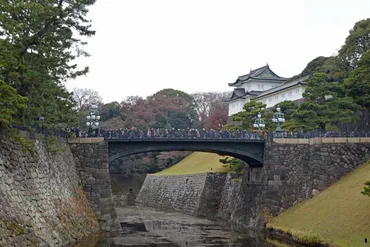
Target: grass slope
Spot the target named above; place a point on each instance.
(339, 215)
(197, 162)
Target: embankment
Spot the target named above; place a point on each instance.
(194, 194)
(41, 202)
(339, 215)
(294, 170)
(215, 196)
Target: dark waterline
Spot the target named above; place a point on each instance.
(157, 228)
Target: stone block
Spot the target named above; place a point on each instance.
(73, 141)
(327, 140)
(304, 141)
(279, 140)
(275, 183)
(108, 210)
(340, 140)
(315, 192)
(365, 139)
(291, 141)
(353, 140)
(316, 140)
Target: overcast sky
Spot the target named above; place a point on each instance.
(143, 46)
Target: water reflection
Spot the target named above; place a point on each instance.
(149, 227)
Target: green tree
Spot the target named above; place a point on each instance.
(335, 68)
(10, 103)
(110, 110)
(366, 190)
(325, 103)
(358, 82)
(234, 164)
(173, 109)
(38, 42)
(249, 114)
(357, 43)
(286, 107)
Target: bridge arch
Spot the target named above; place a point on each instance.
(251, 151)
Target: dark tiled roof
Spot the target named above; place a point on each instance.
(254, 74)
(239, 93)
(288, 84)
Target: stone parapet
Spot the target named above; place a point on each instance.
(86, 140)
(321, 140)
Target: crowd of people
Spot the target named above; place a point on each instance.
(133, 133)
(180, 134)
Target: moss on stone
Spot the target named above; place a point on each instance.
(16, 228)
(53, 145)
(32, 242)
(28, 146)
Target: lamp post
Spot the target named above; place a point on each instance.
(278, 118)
(40, 123)
(259, 122)
(93, 121)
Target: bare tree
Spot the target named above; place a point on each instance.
(86, 97)
(209, 105)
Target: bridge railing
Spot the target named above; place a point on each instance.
(222, 134)
(321, 134)
(191, 134)
(182, 135)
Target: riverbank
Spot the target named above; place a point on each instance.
(291, 173)
(338, 216)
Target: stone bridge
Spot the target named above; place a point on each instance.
(250, 151)
(290, 170)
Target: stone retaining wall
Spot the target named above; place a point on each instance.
(195, 194)
(293, 173)
(91, 159)
(41, 202)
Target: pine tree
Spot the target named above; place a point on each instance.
(38, 42)
(325, 103)
(249, 114)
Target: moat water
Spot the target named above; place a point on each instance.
(157, 228)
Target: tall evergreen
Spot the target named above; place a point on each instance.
(326, 103)
(357, 43)
(39, 40)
